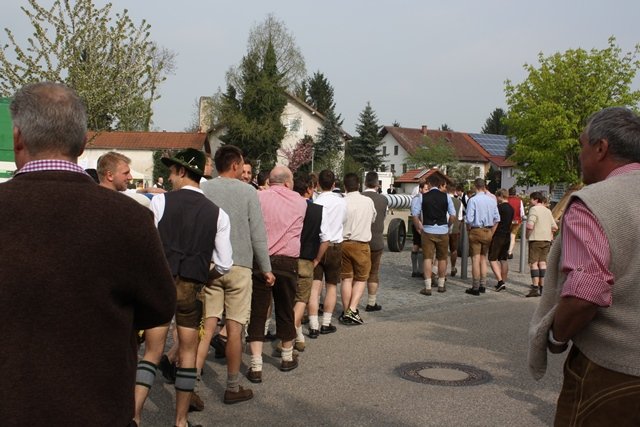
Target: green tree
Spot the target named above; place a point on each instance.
(252, 116)
(496, 124)
(365, 148)
(432, 153)
(548, 110)
(111, 62)
(320, 93)
(328, 145)
(289, 59)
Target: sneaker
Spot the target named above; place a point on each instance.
(344, 320)
(289, 365)
(472, 291)
(500, 287)
(168, 369)
(442, 289)
(454, 272)
(254, 376)
(219, 344)
(482, 289)
(195, 403)
(375, 307)
(327, 329)
(299, 345)
(354, 316)
(241, 395)
(425, 291)
(533, 293)
(314, 333)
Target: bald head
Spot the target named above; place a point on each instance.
(281, 175)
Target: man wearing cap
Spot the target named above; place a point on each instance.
(194, 233)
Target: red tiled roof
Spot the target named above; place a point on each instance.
(147, 140)
(501, 162)
(414, 175)
(466, 149)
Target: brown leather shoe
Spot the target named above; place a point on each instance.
(299, 345)
(254, 376)
(289, 365)
(425, 291)
(241, 395)
(195, 403)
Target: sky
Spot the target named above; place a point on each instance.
(417, 62)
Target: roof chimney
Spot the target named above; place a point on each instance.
(424, 129)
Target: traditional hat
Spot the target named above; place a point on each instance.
(191, 159)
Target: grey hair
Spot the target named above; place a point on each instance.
(51, 118)
(621, 128)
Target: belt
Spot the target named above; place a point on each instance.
(334, 244)
(482, 227)
(357, 241)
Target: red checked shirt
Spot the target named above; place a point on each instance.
(50, 165)
(283, 211)
(586, 254)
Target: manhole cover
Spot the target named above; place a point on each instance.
(438, 373)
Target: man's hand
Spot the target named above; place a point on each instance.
(269, 278)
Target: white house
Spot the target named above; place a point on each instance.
(298, 117)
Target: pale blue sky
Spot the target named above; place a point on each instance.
(417, 62)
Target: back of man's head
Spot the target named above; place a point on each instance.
(479, 183)
(226, 156)
(326, 179)
(435, 181)
(108, 162)
(301, 183)
(502, 194)
(351, 182)
(280, 175)
(51, 119)
(512, 191)
(537, 196)
(371, 180)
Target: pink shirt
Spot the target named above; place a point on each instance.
(283, 211)
(586, 253)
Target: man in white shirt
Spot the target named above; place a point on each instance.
(329, 265)
(194, 233)
(356, 253)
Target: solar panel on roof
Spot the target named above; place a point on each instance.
(496, 145)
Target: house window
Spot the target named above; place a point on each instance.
(476, 171)
(404, 168)
(393, 168)
(395, 150)
(384, 150)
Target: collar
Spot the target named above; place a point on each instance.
(50, 165)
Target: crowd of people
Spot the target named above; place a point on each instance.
(216, 257)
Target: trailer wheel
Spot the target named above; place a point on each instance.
(396, 235)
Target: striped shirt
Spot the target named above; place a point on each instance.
(586, 252)
(50, 165)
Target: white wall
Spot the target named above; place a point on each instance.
(397, 160)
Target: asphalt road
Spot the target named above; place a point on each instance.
(351, 377)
